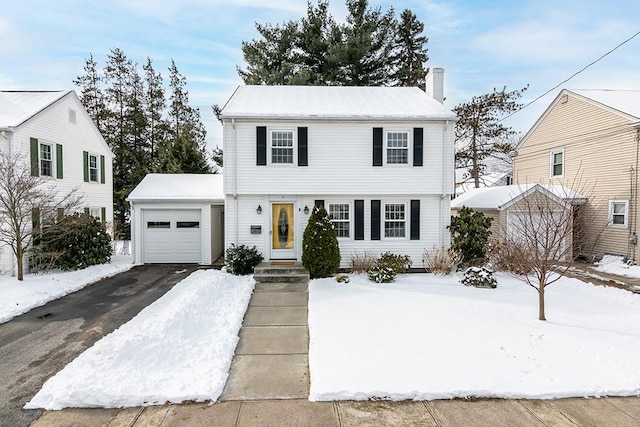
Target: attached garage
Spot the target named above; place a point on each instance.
(177, 219)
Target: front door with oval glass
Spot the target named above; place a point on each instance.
(282, 231)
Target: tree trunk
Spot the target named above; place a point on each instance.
(474, 147)
(19, 258)
(541, 302)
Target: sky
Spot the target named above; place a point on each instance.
(481, 44)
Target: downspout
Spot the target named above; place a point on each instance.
(635, 200)
(235, 178)
(443, 179)
(132, 249)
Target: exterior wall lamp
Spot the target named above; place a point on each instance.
(306, 210)
(259, 210)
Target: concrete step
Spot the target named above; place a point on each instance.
(293, 272)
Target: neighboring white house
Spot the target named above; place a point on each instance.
(177, 218)
(379, 159)
(53, 132)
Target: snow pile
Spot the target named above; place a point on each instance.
(178, 348)
(35, 290)
(427, 337)
(614, 264)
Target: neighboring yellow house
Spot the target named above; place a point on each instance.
(589, 140)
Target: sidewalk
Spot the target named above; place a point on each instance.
(269, 382)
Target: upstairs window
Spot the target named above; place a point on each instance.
(557, 163)
(397, 147)
(93, 168)
(46, 160)
(282, 147)
(339, 215)
(618, 212)
(394, 220)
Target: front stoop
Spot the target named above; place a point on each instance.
(267, 272)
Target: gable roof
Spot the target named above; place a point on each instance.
(624, 102)
(333, 102)
(16, 107)
(158, 187)
(503, 196)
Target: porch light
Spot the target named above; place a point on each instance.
(259, 210)
(306, 210)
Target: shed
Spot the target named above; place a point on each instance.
(177, 218)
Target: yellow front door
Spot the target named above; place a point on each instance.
(282, 231)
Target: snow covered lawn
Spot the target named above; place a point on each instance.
(179, 348)
(35, 290)
(426, 337)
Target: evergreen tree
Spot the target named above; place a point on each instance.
(91, 93)
(320, 250)
(479, 131)
(410, 53)
(470, 234)
(155, 106)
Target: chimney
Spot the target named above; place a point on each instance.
(434, 84)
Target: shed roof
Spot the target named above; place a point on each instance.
(334, 102)
(502, 196)
(16, 107)
(157, 187)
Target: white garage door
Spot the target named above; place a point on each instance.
(172, 236)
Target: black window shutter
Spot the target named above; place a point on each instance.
(35, 168)
(418, 146)
(359, 216)
(102, 172)
(303, 158)
(85, 166)
(318, 203)
(377, 146)
(415, 220)
(59, 163)
(375, 220)
(261, 145)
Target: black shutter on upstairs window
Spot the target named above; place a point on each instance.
(359, 217)
(35, 167)
(375, 220)
(414, 233)
(261, 145)
(417, 146)
(303, 158)
(377, 146)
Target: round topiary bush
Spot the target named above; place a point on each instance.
(320, 250)
(479, 277)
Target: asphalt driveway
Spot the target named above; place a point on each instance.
(38, 344)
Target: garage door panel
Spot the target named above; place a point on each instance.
(171, 236)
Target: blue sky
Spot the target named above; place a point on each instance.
(481, 44)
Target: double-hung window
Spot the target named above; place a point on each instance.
(46, 160)
(339, 215)
(394, 220)
(282, 147)
(618, 213)
(557, 163)
(397, 147)
(93, 168)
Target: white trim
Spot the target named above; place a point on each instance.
(626, 214)
(270, 147)
(383, 221)
(385, 147)
(52, 152)
(349, 221)
(97, 168)
(552, 154)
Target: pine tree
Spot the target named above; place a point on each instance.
(320, 250)
(91, 93)
(155, 107)
(480, 133)
(410, 54)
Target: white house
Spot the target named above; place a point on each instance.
(177, 218)
(53, 132)
(379, 159)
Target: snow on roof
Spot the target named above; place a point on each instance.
(16, 107)
(625, 101)
(166, 187)
(500, 196)
(334, 102)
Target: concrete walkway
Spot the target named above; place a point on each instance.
(269, 383)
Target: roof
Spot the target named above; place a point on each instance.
(333, 102)
(16, 107)
(502, 196)
(157, 187)
(466, 183)
(625, 101)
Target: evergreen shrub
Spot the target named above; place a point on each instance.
(382, 274)
(399, 263)
(320, 250)
(479, 277)
(241, 260)
(470, 235)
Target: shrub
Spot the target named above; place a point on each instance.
(362, 262)
(241, 260)
(342, 278)
(75, 242)
(320, 250)
(399, 263)
(440, 261)
(479, 277)
(470, 234)
(505, 256)
(382, 274)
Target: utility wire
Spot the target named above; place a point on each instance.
(572, 76)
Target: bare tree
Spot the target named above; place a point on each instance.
(541, 235)
(28, 203)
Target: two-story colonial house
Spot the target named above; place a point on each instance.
(590, 139)
(379, 159)
(56, 136)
